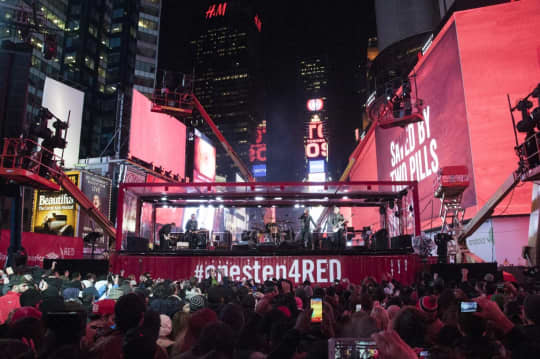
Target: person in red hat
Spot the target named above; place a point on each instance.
(429, 305)
(11, 300)
(101, 321)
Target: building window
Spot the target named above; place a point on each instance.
(116, 28)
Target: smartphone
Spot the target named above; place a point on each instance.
(9, 271)
(316, 305)
(469, 307)
(423, 354)
(358, 307)
(352, 348)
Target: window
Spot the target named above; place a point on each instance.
(116, 28)
(115, 42)
(89, 62)
(118, 13)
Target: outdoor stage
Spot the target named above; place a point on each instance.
(320, 267)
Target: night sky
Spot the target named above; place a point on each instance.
(292, 29)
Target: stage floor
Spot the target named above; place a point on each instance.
(269, 251)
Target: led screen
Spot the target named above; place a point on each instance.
(204, 161)
(64, 101)
(316, 166)
(442, 139)
(156, 138)
(259, 170)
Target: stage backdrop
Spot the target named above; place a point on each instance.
(39, 246)
(321, 270)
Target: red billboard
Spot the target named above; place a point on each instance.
(204, 163)
(417, 151)
(156, 138)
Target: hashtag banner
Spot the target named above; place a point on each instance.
(322, 270)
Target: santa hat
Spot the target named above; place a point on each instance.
(428, 304)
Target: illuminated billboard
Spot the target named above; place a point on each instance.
(316, 166)
(204, 162)
(65, 102)
(156, 138)
(315, 104)
(316, 144)
(259, 170)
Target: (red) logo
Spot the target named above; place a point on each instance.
(216, 10)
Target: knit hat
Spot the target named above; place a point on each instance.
(104, 307)
(165, 327)
(531, 307)
(428, 304)
(196, 302)
(24, 312)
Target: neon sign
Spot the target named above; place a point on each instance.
(257, 151)
(315, 104)
(258, 22)
(316, 145)
(216, 10)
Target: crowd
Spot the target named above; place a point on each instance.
(47, 314)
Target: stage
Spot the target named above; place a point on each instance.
(319, 267)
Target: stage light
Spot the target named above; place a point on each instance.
(259, 206)
(325, 198)
(221, 206)
(258, 198)
(163, 198)
(345, 197)
(296, 205)
(278, 198)
(219, 199)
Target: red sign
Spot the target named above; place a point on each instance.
(316, 145)
(216, 10)
(204, 162)
(257, 151)
(416, 153)
(40, 246)
(315, 104)
(258, 22)
(321, 270)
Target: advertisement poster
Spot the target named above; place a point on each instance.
(98, 190)
(418, 151)
(205, 161)
(56, 212)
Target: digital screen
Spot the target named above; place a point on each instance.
(316, 166)
(316, 306)
(469, 307)
(349, 348)
(259, 170)
(65, 102)
(316, 145)
(205, 161)
(156, 138)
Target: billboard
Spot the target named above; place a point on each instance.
(65, 102)
(204, 162)
(416, 152)
(156, 138)
(98, 190)
(259, 170)
(316, 166)
(56, 212)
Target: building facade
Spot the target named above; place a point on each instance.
(227, 71)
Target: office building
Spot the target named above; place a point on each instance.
(228, 81)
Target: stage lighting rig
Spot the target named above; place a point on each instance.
(528, 151)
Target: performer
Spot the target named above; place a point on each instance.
(336, 223)
(164, 236)
(191, 229)
(305, 229)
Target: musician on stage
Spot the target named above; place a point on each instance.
(191, 228)
(305, 228)
(336, 225)
(165, 236)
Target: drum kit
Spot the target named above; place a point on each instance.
(273, 232)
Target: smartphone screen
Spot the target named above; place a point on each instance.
(316, 305)
(424, 354)
(358, 307)
(9, 271)
(469, 307)
(352, 348)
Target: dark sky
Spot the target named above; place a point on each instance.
(291, 29)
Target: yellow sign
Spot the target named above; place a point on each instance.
(56, 212)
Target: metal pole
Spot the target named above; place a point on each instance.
(513, 119)
(15, 225)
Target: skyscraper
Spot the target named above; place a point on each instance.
(228, 81)
(147, 45)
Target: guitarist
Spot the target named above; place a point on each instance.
(336, 223)
(164, 236)
(191, 232)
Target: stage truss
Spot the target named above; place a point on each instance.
(383, 194)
